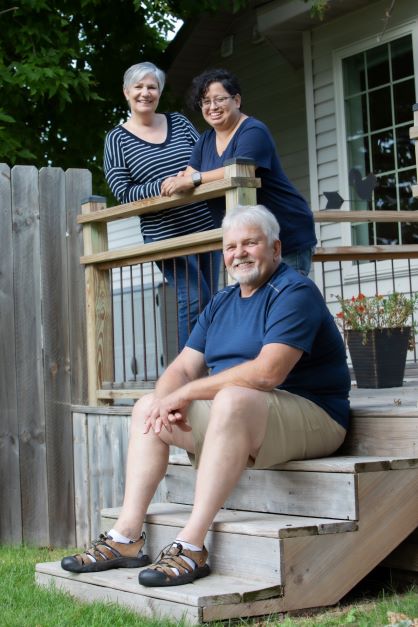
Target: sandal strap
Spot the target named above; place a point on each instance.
(171, 557)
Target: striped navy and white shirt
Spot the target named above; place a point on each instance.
(135, 169)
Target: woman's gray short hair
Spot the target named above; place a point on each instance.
(253, 215)
(136, 73)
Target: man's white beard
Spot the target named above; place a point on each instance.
(244, 277)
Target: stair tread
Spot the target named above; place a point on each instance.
(340, 463)
(247, 523)
(213, 590)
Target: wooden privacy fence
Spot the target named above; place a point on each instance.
(42, 339)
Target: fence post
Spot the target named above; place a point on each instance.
(98, 305)
(240, 167)
(413, 134)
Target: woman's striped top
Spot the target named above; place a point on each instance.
(135, 169)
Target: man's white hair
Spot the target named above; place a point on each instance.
(253, 215)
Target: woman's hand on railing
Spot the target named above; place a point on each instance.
(177, 184)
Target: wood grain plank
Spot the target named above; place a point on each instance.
(246, 523)
(30, 376)
(56, 356)
(82, 480)
(206, 191)
(382, 435)
(99, 340)
(10, 515)
(388, 504)
(77, 188)
(323, 494)
(218, 590)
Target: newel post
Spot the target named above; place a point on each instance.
(98, 305)
(413, 134)
(240, 168)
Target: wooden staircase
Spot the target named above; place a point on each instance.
(298, 537)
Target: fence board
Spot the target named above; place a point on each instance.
(10, 513)
(78, 187)
(30, 398)
(59, 434)
(81, 480)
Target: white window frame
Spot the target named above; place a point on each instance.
(408, 28)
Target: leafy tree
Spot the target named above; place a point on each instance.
(61, 67)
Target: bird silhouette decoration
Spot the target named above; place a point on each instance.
(363, 187)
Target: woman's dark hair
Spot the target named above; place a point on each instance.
(201, 84)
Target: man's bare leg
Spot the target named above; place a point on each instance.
(146, 466)
(236, 431)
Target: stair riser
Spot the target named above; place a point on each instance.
(327, 495)
(144, 605)
(262, 555)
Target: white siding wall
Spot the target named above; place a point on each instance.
(328, 154)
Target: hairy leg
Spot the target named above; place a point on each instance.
(235, 432)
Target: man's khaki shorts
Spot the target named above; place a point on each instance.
(296, 429)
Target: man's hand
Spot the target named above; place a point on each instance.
(164, 412)
(177, 184)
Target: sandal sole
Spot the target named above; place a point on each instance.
(121, 562)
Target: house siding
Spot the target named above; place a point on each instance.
(327, 166)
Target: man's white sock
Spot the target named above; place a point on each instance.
(191, 547)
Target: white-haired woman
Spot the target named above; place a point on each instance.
(139, 155)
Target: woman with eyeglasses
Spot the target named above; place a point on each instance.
(139, 155)
(234, 134)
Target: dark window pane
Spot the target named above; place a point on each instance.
(404, 147)
(356, 115)
(409, 232)
(385, 193)
(387, 233)
(380, 109)
(383, 154)
(358, 154)
(402, 59)
(404, 97)
(353, 72)
(378, 66)
(406, 180)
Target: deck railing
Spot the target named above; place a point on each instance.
(238, 187)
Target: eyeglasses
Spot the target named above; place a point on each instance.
(218, 101)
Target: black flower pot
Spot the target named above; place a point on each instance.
(379, 356)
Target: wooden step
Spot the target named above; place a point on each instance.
(317, 565)
(232, 534)
(323, 487)
(194, 603)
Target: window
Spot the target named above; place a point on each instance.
(379, 91)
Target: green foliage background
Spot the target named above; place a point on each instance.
(61, 68)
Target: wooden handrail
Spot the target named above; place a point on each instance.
(207, 191)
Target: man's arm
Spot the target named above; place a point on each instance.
(268, 370)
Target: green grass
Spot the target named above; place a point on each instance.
(23, 604)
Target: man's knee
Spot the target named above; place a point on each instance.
(230, 404)
(139, 412)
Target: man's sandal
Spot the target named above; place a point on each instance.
(107, 554)
(161, 573)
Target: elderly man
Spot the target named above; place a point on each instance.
(277, 389)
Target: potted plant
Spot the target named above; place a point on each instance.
(378, 331)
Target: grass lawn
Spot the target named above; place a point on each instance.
(23, 604)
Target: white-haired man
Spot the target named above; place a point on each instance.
(262, 379)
